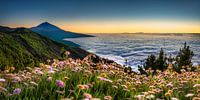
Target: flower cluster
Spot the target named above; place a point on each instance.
(88, 80)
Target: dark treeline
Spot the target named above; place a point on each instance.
(181, 61)
(161, 62)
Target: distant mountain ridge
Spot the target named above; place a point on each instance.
(55, 33)
(21, 47)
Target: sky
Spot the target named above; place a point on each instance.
(105, 16)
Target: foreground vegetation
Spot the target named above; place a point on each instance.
(83, 79)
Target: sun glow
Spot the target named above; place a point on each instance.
(133, 26)
(123, 26)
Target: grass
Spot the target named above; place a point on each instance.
(22, 47)
(82, 80)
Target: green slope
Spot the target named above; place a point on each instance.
(22, 47)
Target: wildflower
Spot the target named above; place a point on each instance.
(170, 66)
(67, 53)
(87, 96)
(198, 91)
(183, 70)
(104, 79)
(167, 94)
(107, 98)
(90, 84)
(2, 80)
(151, 96)
(66, 78)
(60, 83)
(60, 92)
(10, 75)
(95, 99)
(145, 93)
(158, 99)
(196, 98)
(124, 86)
(49, 79)
(16, 79)
(114, 86)
(38, 71)
(29, 68)
(174, 98)
(103, 75)
(4, 89)
(134, 89)
(34, 83)
(17, 91)
(25, 83)
(151, 92)
(119, 80)
(196, 85)
(51, 71)
(138, 82)
(170, 85)
(189, 95)
(12, 69)
(66, 99)
(127, 90)
(82, 87)
(140, 97)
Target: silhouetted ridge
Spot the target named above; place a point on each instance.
(55, 33)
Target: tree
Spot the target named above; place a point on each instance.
(184, 56)
(154, 63)
(150, 62)
(161, 61)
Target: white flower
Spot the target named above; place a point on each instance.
(174, 98)
(189, 95)
(2, 80)
(140, 97)
(196, 85)
(150, 96)
(34, 83)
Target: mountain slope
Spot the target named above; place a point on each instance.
(22, 47)
(57, 34)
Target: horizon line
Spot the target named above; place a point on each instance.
(140, 32)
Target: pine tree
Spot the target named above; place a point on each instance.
(161, 61)
(150, 62)
(184, 57)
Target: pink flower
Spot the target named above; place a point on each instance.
(87, 96)
(49, 79)
(17, 91)
(16, 79)
(60, 83)
(104, 79)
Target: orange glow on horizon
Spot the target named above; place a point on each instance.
(124, 26)
(132, 27)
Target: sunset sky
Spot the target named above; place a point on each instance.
(105, 16)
